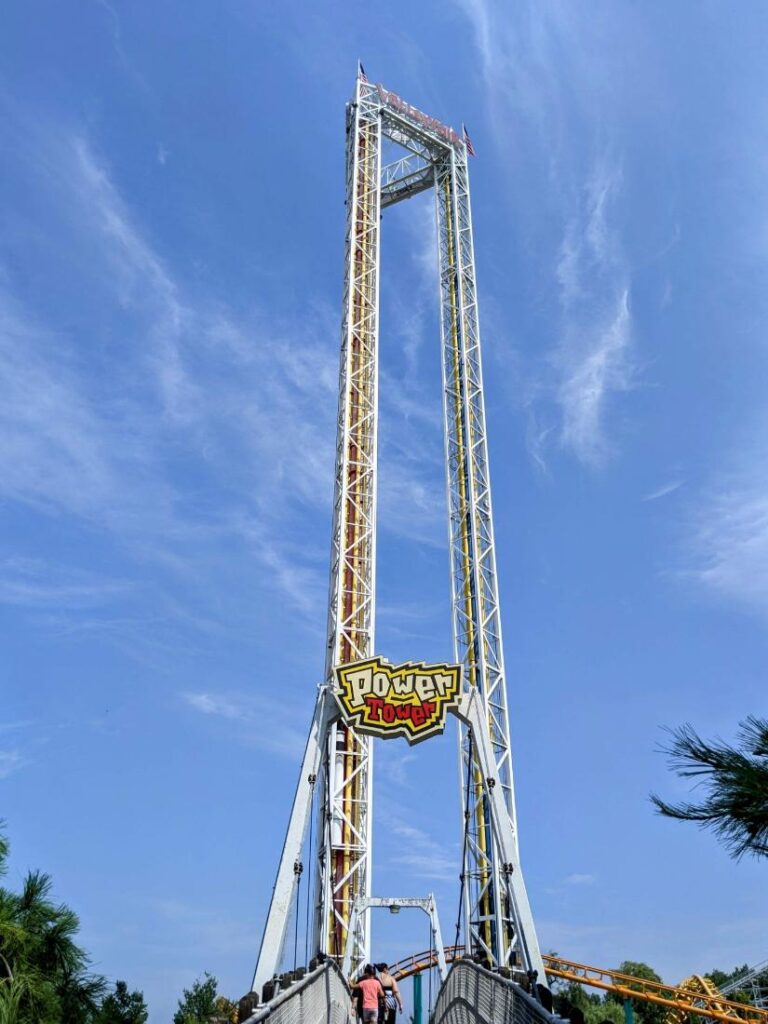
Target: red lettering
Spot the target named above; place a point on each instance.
(393, 100)
(375, 704)
(380, 711)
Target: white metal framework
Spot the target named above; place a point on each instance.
(394, 904)
(338, 761)
(345, 853)
(755, 982)
(475, 597)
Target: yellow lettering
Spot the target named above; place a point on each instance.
(359, 685)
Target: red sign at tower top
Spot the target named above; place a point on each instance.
(396, 103)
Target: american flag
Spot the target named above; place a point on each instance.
(361, 71)
(468, 141)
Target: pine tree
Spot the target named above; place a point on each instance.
(123, 1007)
(735, 780)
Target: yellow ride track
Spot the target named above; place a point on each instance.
(696, 996)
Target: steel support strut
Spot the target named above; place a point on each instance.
(284, 890)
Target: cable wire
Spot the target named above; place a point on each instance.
(311, 869)
(298, 869)
(465, 842)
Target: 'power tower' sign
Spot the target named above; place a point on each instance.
(410, 700)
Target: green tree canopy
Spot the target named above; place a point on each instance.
(44, 973)
(198, 1004)
(645, 1013)
(735, 781)
(740, 995)
(595, 1008)
(123, 1007)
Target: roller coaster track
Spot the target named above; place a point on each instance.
(695, 997)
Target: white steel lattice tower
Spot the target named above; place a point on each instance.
(498, 922)
(345, 865)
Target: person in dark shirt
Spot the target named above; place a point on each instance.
(391, 992)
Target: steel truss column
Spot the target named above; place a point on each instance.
(344, 870)
(489, 918)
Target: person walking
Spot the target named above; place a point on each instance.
(392, 995)
(370, 990)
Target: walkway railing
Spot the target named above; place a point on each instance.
(473, 995)
(321, 997)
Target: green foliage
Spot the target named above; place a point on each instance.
(644, 1013)
(637, 969)
(123, 1007)
(604, 1011)
(10, 1001)
(44, 975)
(596, 1010)
(735, 781)
(226, 1010)
(39, 952)
(722, 978)
(198, 1004)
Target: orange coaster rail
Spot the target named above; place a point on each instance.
(682, 1002)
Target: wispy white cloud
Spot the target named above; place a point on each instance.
(413, 848)
(594, 359)
(528, 86)
(249, 402)
(392, 764)
(727, 537)
(11, 761)
(664, 490)
(264, 723)
(53, 446)
(580, 879)
(32, 583)
(593, 366)
(116, 32)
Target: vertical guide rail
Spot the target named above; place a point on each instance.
(489, 915)
(344, 870)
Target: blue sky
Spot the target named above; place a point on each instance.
(170, 282)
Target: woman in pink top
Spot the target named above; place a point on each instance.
(371, 991)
